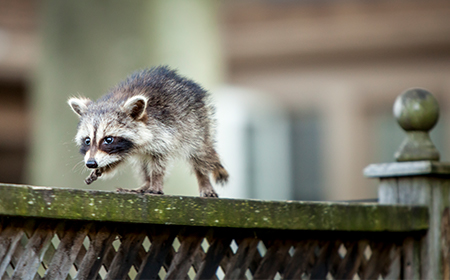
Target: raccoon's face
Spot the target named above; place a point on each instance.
(107, 131)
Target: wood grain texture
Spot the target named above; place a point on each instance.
(127, 252)
(67, 252)
(273, 260)
(99, 246)
(42, 248)
(88, 205)
(9, 239)
(445, 243)
(30, 259)
(161, 240)
(241, 260)
(213, 257)
(185, 256)
(299, 262)
(262, 254)
(352, 260)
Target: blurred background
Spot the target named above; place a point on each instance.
(304, 89)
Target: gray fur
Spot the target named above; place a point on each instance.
(155, 115)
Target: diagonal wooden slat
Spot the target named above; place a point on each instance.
(9, 239)
(324, 262)
(109, 254)
(312, 258)
(272, 260)
(216, 252)
(98, 248)
(81, 253)
(161, 243)
(379, 258)
(127, 252)
(297, 266)
(241, 260)
(392, 265)
(255, 261)
(182, 261)
(228, 255)
(334, 258)
(198, 259)
(169, 258)
(66, 252)
(34, 251)
(352, 260)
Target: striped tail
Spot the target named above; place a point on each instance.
(220, 174)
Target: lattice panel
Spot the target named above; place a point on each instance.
(46, 249)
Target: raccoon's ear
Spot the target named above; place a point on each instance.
(79, 105)
(135, 106)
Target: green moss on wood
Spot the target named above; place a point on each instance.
(28, 201)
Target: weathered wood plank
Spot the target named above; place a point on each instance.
(66, 252)
(241, 260)
(98, 248)
(18, 252)
(34, 251)
(9, 238)
(408, 168)
(216, 252)
(81, 253)
(182, 261)
(414, 191)
(445, 243)
(297, 266)
(388, 191)
(161, 243)
(227, 258)
(109, 256)
(392, 269)
(169, 258)
(124, 258)
(272, 260)
(198, 211)
(325, 259)
(199, 256)
(350, 264)
(255, 259)
(380, 259)
(411, 259)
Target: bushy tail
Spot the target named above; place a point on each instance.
(220, 174)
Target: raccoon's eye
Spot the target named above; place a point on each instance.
(108, 140)
(87, 141)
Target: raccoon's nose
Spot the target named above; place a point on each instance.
(91, 163)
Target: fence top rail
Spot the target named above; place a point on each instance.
(75, 204)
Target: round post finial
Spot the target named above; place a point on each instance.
(417, 112)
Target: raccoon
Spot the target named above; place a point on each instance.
(151, 117)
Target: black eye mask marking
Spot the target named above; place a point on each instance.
(84, 147)
(118, 145)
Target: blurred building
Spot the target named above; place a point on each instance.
(18, 52)
(334, 68)
(310, 85)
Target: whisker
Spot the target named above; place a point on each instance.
(79, 167)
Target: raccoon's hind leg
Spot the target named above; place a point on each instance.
(203, 166)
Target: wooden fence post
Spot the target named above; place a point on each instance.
(418, 178)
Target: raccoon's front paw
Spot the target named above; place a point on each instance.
(209, 194)
(153, 192)
(121, 190)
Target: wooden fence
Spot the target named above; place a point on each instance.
(55, 233)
